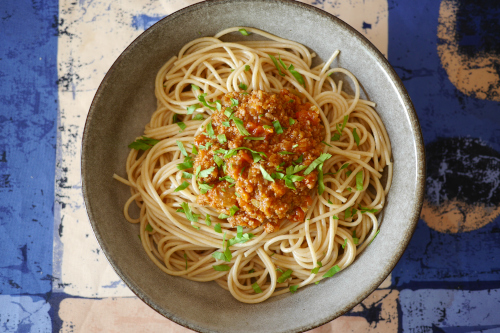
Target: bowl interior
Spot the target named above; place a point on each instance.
(123, 106)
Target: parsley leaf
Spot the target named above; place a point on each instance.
(359, 181)
(296, 75)
(321, 185)
(291, 121)
(217, 228)
(277, 127)
(256, 288)
(255, 138)
(293, 289)
(345, 243)
(374, 236)
(195, 87)
(181, 125)
(189, 215)
(219, 161)
(343, 125)
(356, 137)
(181, 148)
(321, 159)
(247, 68)
(265, 174)
(208, 221)
(204, 188)
(239, 125)
(332, 271)
(185, 165)
(143, 144)
(233, 210)
(285, 276)
(190, 109)
(206, 172)
(276, 64)
(221, 268)
(149, 228)
(233, 151)
(222, 138)
(201, 98)
(326, 144)
(285, 153)
(181, 187)
(198, 117)
(187, 175)
(210, 130)
(243, 86)
(244, 32)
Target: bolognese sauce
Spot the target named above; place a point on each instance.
(252, 155)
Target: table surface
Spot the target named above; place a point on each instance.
(53, 55)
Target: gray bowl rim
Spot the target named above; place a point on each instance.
(406, 100)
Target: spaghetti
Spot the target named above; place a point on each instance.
(194, 241)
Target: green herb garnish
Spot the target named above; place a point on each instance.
(221, 268)
(181, 125)
(359, 181)
(285, 276)
(198, 117)
(149, 228)
(143, 144)
(244, 32)
(356, 137)
(204, 188)
(320, 160)
(277, 127)
(181, 148)
(217, 228)
(192, 108)
(265, 174)
(243, 86)
(293, 289)
(181, 187)
(256, 288)
(332, 271)
(255, 138)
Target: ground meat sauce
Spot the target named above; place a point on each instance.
(260, 201)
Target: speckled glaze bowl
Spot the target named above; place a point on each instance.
(122, 107)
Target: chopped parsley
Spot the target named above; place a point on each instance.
(323, 142)
(195, 87)
(291, 121)
(286, 153)
(255, 138)
(181, 187)
(240, 236)
(189, 215)
(332, 271)
(315, 270)
(206, 172)
(221, 268)
(243, 86)
(190, 109)
(359, 181)
(285, 276)
(277, 127)
(233, 210)
(149, 228)
(349, 212)
(239, 125)
(247, 68)
(244, 32)
(321, 185)
(374, 236)
(223, 216)
(143, 144)
(320, 160)
(345, 243)
(268, 127)
(233, 151)
(293, 289)
(181, 125)
(266, 175)
(187, 164)
(256, 288)
(181, 148)
(187, 175)
(208, 221)
(198, 117)
(210, 130)
(201, 98)
(222, 138)
(356, 137)
(276, 64)
(204, 188)
(219, 161)
(217, 228)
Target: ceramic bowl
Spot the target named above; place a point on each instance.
(122, 107)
